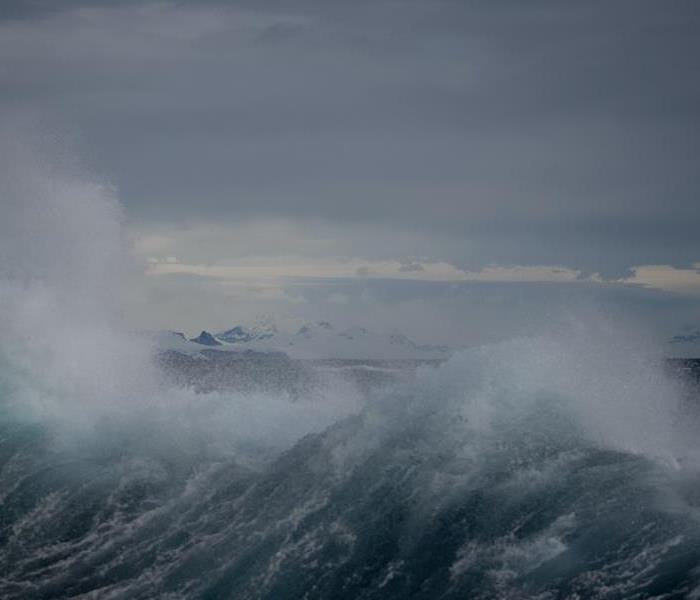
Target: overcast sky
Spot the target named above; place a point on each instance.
(304, 155)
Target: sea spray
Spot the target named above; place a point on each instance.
(487, 477)
(67, 356)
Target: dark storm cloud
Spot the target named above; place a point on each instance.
(513, 132)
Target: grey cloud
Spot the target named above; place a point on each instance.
(509, 133)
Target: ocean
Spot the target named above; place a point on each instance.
(526, 469)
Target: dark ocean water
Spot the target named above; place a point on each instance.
(489, 477)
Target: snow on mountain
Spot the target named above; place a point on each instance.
(173, 341)
(321, 340)
(317, 340)
(263, 329)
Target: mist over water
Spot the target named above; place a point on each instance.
(63, 258)
(67, 354)
(561, 466)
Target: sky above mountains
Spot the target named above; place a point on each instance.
(370, 158)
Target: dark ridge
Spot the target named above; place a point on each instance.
(206, 339)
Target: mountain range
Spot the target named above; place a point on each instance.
(314, 340)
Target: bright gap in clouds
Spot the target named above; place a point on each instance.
(213, 276)
(278, 250)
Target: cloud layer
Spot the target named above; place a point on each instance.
(347, 154)
(510, 133)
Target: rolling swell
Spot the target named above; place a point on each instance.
(487, 477)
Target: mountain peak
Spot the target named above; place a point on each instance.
(313, 340)
(262, 330)
(206, 339)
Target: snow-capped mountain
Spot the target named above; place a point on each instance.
(206, 339)
(322, 340)
(263, 329)
(317, 340)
